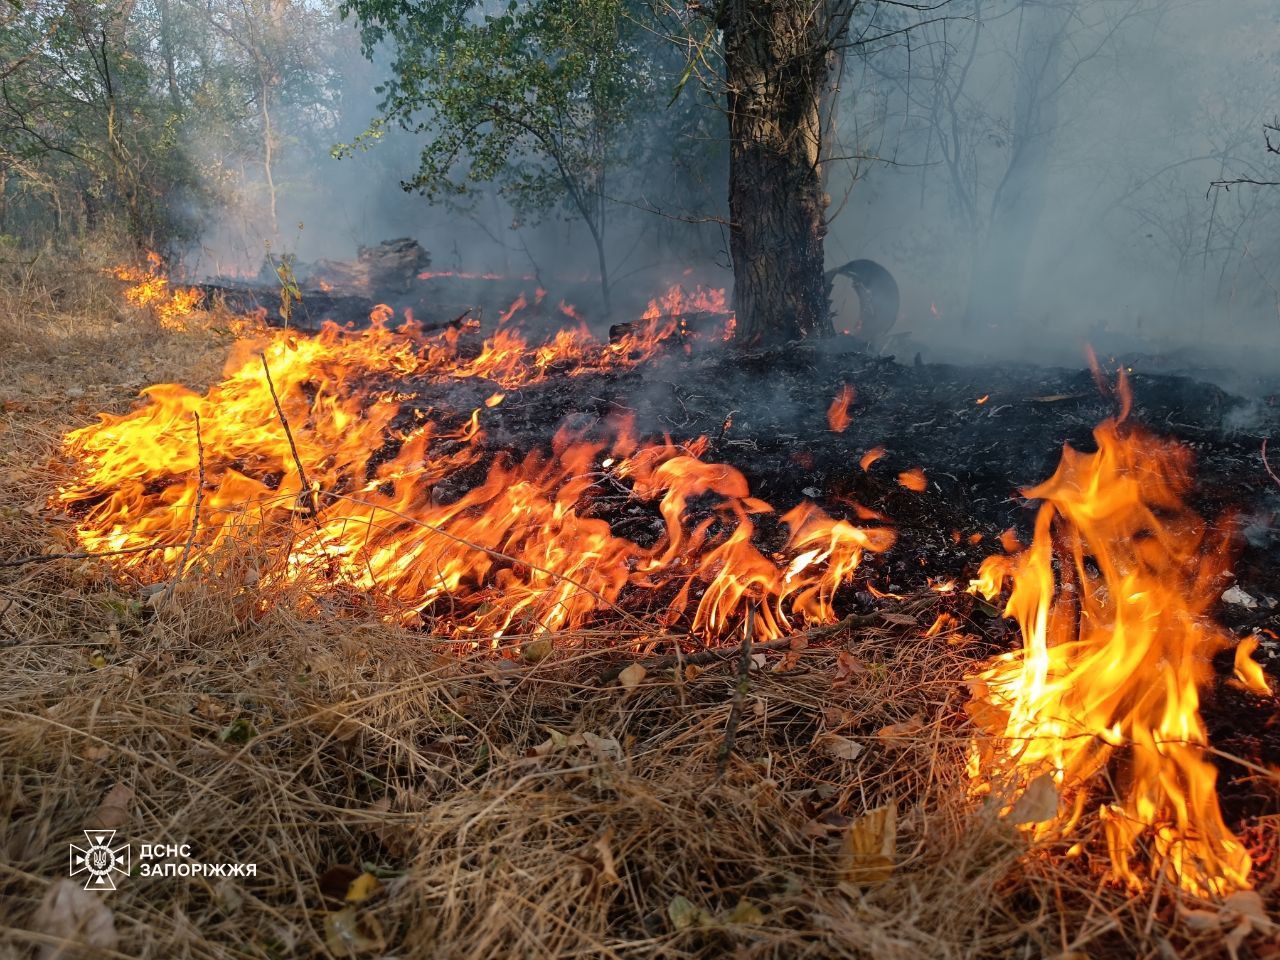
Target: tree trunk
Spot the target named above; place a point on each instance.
(776, 67)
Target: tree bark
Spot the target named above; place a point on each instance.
(776, 66)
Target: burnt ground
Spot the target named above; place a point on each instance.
(766, 414)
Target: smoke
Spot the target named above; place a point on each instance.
(1036, 175)
(1039, 177)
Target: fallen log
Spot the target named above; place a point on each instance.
(317, 306)
(702, 323)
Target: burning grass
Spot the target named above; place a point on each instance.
(533, 806)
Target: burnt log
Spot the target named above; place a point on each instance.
(389, 267)
(317, 306)
(701, 324)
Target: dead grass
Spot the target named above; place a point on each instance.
(260, 729)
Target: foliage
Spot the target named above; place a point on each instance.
(82, 137)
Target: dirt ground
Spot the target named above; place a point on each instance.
(400, 799)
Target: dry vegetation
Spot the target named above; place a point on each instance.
(505, 809)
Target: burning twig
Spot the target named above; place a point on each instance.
(307, 495)
(195, 518)
(1265, 463)
(739, 695)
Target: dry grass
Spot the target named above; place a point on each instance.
(260, 729)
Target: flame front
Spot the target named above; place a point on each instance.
(522, 551)
(1115, 647)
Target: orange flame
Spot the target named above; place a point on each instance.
(519, 552)
(913, 479)
(150, 288)
(1114, 649)
(838, 418)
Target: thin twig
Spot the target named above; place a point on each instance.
(1270, 473)
(195, 518)
(307, 495)
(739, 696)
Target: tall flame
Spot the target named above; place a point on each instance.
(1111, 598)
(522, 550)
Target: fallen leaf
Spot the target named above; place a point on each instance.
(75, 916)
(362, 888)
(866, 855)
(336, 881)
(604, 849)
(899, 731)
(847, 665)
(842, 748)
(1038, 803)
(536, 650)
(630, 678)
(240, 730)
(113, 809)
(684, 914)
(745, 912)
(691, 672)
(348, 934)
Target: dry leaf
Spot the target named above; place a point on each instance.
(602, 846)
(348, 934)
(692, 671)
(866, 855)
(75, 916)
(362, 888)
(745, 912)
(842, 748)
(684, 914)
(898, 731)
(1038, 803)
(631, 677)
(847, 665)
(113, 810)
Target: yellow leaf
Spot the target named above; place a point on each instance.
(362, 888)
(684, 914)
(631, 677)
(745, 912)
(866, 856)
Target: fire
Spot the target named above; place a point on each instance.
(1111, 598)
(838, 418)
(870, 457)
(519, 551)
(914, 480)
(150, 288)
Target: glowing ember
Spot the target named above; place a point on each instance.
(838, 418)
(1115, 645)
(519, 552)
(870, 457)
